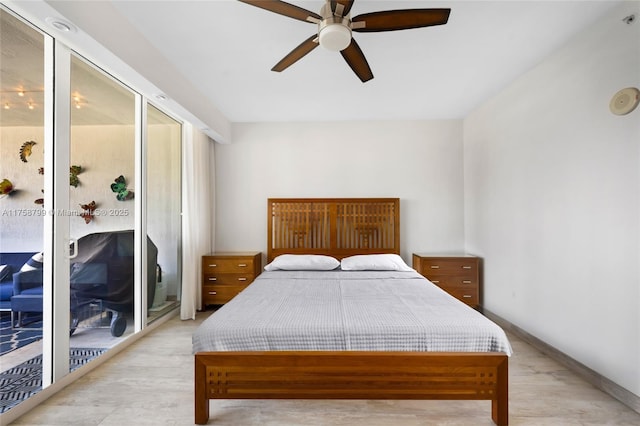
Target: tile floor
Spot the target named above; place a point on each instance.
(151, 383)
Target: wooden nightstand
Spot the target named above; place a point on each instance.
(225, 274)
(458, 275)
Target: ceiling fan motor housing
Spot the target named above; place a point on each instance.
(334, 32)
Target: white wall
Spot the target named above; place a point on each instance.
(104, 152)
(21, 223)
(552, 200)
(418, 161)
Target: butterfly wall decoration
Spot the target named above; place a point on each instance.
(25, 150)
(40, 201)
(120, 188)
(74, 171)
(87, 211)
(6, 187)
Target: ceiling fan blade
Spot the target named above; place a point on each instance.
(392, 20)
(346, 4)
(296, 54)
(356, 60)
(284, 8)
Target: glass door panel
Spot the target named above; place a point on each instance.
(102, 199)
(94, 145)
(163, 212)
(22, 213)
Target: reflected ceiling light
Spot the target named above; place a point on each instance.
(30, 105)
(21, 93)
(78, 102)
(6, 106)
(61, 25)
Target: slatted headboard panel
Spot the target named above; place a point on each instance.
(337, 227)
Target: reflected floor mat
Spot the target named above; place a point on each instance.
(12, 339)
(20, 382)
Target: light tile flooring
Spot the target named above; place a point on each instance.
(151, 383)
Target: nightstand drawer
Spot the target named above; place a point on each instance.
(227, 279)
(220, 294)
(454, 282)
(229, 265)
(462, 267)
(470, 297)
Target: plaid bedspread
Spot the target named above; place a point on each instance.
(347, 310)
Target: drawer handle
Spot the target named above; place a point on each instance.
(213, 279)
(466, 267)
(242, 265)
(213, 265)
(467, 296)
(242, 279)
(213, 293)
(435, 267)
(466, 281)
(435, 281)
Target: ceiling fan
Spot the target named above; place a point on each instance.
(335, 27)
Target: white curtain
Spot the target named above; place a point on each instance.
(198, 216)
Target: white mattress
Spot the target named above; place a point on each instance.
(347, 310)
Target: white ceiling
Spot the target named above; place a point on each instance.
(223, 51)
(227, 48)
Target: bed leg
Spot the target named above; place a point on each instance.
(202, 411)
(500, 404)
(201, 401)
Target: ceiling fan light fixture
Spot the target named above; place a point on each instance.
(335, 37)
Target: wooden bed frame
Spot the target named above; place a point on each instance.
(342, 227)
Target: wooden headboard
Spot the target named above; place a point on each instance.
(338, 227)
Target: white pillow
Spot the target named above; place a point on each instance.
(374, 262)
(34, 263)
(4, 271)
(303, 262)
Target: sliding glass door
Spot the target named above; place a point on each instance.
(22, 213)
(90, 210)
(163, 209)
(102, 170)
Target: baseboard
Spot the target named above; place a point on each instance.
(594, 378)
